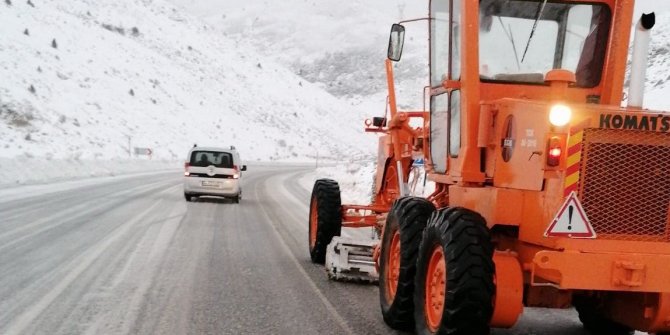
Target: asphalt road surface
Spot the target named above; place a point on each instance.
(128, 255)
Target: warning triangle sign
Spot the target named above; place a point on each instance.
(571, 221)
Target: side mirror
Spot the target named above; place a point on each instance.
(396, 41)
(244, 167)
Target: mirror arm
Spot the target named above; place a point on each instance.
(414, 20)
(391, 88)
(451, 85)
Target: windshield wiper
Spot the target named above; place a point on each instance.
(532, 32)
(508, 33)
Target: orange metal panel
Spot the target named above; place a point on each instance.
(526, 141)
(632, 272)
(617, 54)
(465, 167)
(496, 205)
(384, 151)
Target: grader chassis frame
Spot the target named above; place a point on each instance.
(522, 148)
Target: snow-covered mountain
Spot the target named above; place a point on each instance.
(281, 80)
(657, 87)
(82, 78)
(349, 63)
(341, 46)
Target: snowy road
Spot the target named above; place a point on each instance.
(127, 255)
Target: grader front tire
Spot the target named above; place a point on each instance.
(325, 218)
(400, 244)
(454, 287)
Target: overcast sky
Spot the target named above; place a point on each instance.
(647, 6)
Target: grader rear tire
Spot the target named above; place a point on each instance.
(593, 321)
(454, 287)
(400, 244)
(325, 218)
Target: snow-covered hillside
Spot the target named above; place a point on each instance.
(349, 63)
(80, 78)
(282, 80)
(339, 45)
(657, 87)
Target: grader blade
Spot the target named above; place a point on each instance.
(351, 260)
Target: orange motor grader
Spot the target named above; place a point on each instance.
(548, 192)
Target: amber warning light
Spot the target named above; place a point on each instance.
(560, 115)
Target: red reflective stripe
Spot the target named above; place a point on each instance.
(571, 188)
(572, 169)
(574, 149)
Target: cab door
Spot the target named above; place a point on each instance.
(445, 106)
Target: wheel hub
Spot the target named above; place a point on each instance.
(313, 221)
(393, 269)
(436, 280)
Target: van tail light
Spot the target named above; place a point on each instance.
(236, 172)
(554, 151)
(186, 166)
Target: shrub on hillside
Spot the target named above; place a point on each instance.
(115, 29)
(16, 116)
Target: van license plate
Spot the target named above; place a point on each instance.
(209, 183)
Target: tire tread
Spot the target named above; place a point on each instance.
(412, 214)
(468, 249)
(329, 206)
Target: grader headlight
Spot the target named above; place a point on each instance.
(560, 115)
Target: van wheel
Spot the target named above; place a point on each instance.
(188, 197)
(236, 199)
(397, 264)
(325, 218)
(454, 287)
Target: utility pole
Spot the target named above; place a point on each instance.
(317, 160)
(130, 153)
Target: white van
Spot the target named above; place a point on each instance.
(210, 171)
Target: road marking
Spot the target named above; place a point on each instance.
(340, 320)
(158, 243)
(81, 210)
(84, 261)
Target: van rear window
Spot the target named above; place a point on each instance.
(216, 158)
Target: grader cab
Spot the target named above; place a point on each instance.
(548, 192)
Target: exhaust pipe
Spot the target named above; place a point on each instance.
(638, 71)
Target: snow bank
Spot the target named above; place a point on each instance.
(24, 170)
(356, 180)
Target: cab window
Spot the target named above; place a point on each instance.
(521, 40)
(439, 49)
(207, 158)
